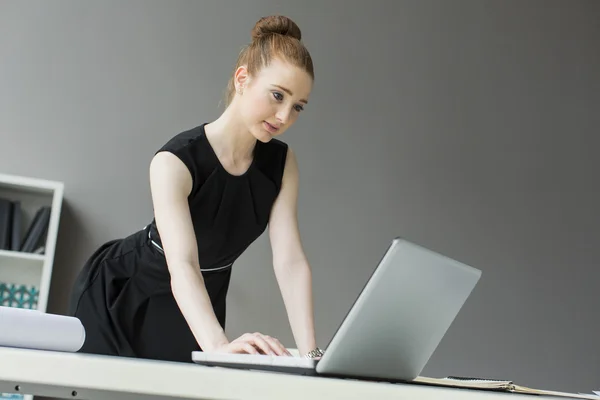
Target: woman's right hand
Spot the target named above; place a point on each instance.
(254, 343)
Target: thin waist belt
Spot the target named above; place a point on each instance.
(160, 249)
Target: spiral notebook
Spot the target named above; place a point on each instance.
(499, 385)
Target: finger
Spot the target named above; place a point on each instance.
(280, 348)
(276, 345)
(259, 341)
(244, 338)
(248, 348)
(285, 350)
(239, 346)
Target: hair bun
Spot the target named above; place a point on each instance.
(276, 24)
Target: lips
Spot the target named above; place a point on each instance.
(270, 128)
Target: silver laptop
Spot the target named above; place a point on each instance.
(393, 328)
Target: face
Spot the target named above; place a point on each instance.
(272, 100)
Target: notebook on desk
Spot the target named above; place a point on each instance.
(497, 384)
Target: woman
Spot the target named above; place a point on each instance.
(160, 293)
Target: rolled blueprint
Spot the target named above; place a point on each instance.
(33, 329)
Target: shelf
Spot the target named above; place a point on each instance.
(20, 257)
(22, 268)
(23, 276)
(18, 267)
(31, 269)
(28, 268)
(29, 185)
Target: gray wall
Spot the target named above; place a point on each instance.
(468, 126)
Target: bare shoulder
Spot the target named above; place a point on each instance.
(168, 170)
(170, 185)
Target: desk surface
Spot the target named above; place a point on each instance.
(83, 376)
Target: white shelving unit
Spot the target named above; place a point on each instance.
(25, 268)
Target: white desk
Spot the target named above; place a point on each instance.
(81, 376)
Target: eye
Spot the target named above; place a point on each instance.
(279, 97)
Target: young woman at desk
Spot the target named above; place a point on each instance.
(160, 292)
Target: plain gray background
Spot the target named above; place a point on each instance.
(469, 127)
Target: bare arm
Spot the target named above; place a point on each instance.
(171, 183)
(291, 267)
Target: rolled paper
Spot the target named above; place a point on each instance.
(33, 329)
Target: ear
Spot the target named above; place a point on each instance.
(241, 77)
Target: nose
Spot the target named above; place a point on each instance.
(283, 115)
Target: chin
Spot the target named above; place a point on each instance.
(265, 138)
(261, 134)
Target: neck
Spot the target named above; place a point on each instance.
(229, 138)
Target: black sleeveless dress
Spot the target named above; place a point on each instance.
(123, 296)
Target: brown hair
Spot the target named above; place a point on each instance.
(272, 37)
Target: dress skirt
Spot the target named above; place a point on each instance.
(124, 300)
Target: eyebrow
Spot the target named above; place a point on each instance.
(288, 91)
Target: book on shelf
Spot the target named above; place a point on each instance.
(498, 385)
(11, 235)
(37, 230)
(6, 223)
